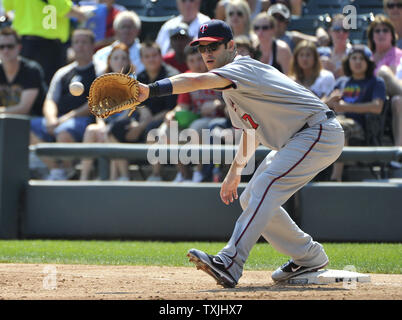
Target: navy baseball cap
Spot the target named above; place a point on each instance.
(213, 31)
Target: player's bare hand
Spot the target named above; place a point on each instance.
(143, 92)
(229, 188)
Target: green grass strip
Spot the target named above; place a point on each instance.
(365, 257)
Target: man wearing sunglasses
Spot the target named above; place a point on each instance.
(22, 82)
(393, 9)
(280, 114)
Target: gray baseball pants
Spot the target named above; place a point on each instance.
(278, 177)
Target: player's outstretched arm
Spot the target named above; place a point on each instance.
(182, 83)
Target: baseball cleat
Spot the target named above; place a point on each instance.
(213, 266)
(291, 269)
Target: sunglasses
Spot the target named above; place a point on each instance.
(8, 46)
(394, 5)
(265, 28)
(184, 1)
(238, 13)
(210, 47)
(384, 30)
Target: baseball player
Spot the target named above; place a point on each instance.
(285, 117)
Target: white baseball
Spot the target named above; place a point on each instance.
(76, 88)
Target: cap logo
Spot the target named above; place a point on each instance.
(203, 28)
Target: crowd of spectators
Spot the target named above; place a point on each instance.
(41, 57)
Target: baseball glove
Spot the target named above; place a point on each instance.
(111, 93)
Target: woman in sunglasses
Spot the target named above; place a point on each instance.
(269, 50)
(331, 57)
(256, 6)
(382, 41)
(393, 9)
(238, 18)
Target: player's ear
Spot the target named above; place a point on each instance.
(231, 45)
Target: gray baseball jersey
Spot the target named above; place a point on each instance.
(264, 99)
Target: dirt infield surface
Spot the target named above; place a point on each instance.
(90, 282)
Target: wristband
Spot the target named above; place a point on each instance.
(160, 88)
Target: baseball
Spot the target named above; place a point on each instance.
(76, 88)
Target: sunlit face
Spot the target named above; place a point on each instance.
(217, 58)
(127, 32)
(393, 8)
(236, 17)
(188, 8)
(305, 59)
(83, 46)
(195, 63)
(118, 60)
(9, 48)
(382, 35)
(151, 58)
(357, 63)
(338, 33)
(264, 29)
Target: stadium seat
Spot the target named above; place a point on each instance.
(151, 8)
(368, 6)
(331, 7)
(305, 24)
(153, 13)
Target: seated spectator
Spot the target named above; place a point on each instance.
(238, 18)
(152, 111)
(179, 39)
(244, 46)
(112, 10)
(270, 50)
(382, 40)
(22, 82)
(127, 26)
(204, 105)
(189, 14)
(118, 61)
(358, 93)
(256, 6)
(393, 9)
(331, 57)
(282, 15)
(306, 69)
(66, 116)
(43, 40)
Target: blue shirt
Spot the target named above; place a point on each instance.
(360, 91)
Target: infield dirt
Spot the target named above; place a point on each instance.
(90, 282)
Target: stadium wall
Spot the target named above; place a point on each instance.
(162, 211)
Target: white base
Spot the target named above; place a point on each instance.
(327, 276)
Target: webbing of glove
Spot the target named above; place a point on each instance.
(111, 93)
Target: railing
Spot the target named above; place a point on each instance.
(142, 152)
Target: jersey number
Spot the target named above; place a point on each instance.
(248, 118)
